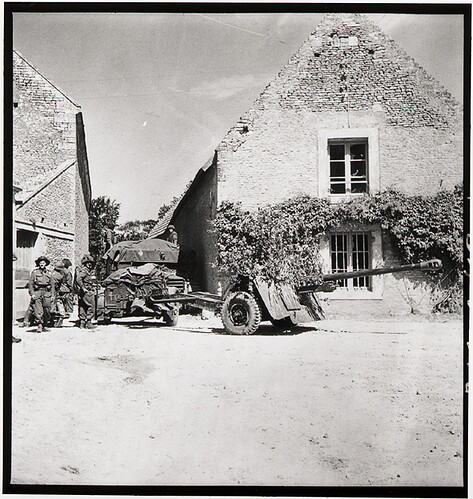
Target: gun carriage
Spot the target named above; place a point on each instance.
(154, 288)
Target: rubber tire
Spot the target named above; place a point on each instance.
(246, 302)
(171, 318)
(286, 323)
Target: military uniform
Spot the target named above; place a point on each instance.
(66, 292)
(84, 284)
(172, 235)
(41, 289)
(58, 279)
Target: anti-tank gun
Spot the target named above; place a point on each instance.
(244, 309)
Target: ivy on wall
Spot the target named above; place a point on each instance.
(282, 241)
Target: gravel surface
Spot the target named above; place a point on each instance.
(335, 403)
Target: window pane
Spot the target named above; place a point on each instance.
(337, 169)
(337, 151)
(339, 255)
(358, 169)
(350, 251)
(337, 189)
(359, 187)
(360, 259)
(358, 151)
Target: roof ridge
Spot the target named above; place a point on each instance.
(236, 135)
(45, 78)
(48, 179)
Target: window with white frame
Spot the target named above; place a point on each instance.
(351, 251)
(348, 163)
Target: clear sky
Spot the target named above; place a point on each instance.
(159, 91)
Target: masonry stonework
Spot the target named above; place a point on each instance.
(347, 81)
(81, 241)
(52, 206)
(347, 75)
(195, 234)
(44, 123)
(50, 166)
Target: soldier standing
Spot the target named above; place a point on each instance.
(172, 236)
(41, 289)
(66, 288)
(84, 286)
(58, 278)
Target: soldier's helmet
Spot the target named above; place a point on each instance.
(171, 227)
(59, 265)
(87, 258)
(67, 262)
(42, 259)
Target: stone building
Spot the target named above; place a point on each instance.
(50, 174)
(350, 114)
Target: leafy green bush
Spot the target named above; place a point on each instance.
(282, 241)
(279, 242)
(421, 227)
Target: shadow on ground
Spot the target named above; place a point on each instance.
(263, 330)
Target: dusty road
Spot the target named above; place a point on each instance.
(339, 403)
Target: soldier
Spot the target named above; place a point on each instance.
(41, 289)
(172, 236)
(84, 286)
(58, 278)
(66, 288)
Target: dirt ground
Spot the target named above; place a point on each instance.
(335, 403)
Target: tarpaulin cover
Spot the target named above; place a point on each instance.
(147, 250)
(138, 276)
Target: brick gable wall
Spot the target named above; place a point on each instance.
(364, 81)
(271, 153)
(45, 139)
(44, 124)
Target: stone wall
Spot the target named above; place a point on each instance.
(347, 75)
(52, 206)
(50, 162)
(192, 223)
(57, 248)
(44, 129)
(81, 241)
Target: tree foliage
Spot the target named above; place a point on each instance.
(134, 230)
(104, 213)
(281, 241)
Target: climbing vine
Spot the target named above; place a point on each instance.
(281, 241)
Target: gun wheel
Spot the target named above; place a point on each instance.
(241, 313)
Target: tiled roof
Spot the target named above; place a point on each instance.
(164, 222)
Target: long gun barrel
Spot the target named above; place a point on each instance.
(429, 265)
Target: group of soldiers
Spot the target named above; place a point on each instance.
(52, 293)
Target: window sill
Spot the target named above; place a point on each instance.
(338, 198)
(351, 295)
